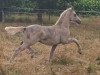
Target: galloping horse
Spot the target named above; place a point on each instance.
(49, 35)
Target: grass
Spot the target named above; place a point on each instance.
(66, 60)
(62, 61)
(91, 69)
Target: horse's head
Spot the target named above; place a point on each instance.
(73, 17)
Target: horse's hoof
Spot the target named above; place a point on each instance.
(32, 56)
(79, 52)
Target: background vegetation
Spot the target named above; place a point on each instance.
(52, 4)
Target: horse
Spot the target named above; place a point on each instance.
(58, 33)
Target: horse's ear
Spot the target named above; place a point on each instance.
(69, 5)
(72, 7)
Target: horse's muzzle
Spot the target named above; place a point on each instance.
(78, 21)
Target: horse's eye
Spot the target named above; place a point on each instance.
(75, 15)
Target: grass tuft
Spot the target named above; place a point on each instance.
(62, 61)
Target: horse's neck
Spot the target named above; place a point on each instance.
(60, 20)
(63, 21)
(66, 22)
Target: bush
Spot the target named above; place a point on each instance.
(87, 5)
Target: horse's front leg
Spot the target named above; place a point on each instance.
(17, 51)
(73, 40)
(52, 52)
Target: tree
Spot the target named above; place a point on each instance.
(46, 4)
(18, 3)
(87, 5)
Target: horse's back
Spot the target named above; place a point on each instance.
(45, 34)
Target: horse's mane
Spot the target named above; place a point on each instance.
(63, 14)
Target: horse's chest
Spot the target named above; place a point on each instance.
(64, 37)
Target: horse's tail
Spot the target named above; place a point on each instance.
(14, 30)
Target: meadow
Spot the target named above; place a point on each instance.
(66, 59)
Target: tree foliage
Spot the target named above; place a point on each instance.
(52, 4)
(87, 5)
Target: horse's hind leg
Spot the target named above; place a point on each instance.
(18, 50)
(30, 50)
(71, 40)
(52, 52)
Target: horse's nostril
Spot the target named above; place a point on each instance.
(78, 21)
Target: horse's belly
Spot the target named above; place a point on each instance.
(50, 42)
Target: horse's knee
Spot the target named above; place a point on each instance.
(22, 47)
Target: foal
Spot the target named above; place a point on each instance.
(49, 35)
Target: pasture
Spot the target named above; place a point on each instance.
(66, 60)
